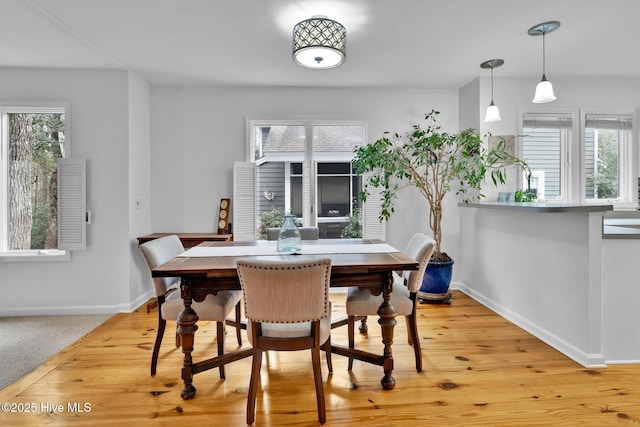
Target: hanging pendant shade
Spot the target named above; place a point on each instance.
(493, 114)
(319, 43)
(544, 90)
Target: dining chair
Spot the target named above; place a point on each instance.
(360, 303)
(170, 304)
(306, 233)
(287, 306)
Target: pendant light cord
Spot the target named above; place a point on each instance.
(544, 55)
(492, 85)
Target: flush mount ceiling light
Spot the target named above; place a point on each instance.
(544, 90)
(493, 114)
(319, 42)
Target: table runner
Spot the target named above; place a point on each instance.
(271, 249)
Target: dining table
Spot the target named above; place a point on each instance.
(210, 267)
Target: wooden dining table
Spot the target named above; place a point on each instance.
(210, 267)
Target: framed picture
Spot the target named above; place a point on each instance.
(509, 143)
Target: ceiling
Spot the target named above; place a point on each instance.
(436, 44)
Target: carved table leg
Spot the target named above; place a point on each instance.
(387, 321)
(186, 328)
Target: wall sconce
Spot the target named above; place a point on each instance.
(493, 114)
(269, 195)
(319, 43)
(544, 90)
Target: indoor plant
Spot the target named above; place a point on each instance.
(435, 162)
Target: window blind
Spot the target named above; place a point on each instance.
(608, 121)
(547, 121)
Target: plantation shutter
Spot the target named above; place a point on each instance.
(72, 204)
(372, 228)
(244, 206)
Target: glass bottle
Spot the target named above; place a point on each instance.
(289, 237)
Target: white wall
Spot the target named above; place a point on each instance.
(139, 185)
(194, 136)
(98, 279)
(197, 133)
(512, 95)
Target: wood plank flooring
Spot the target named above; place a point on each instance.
(480, 370)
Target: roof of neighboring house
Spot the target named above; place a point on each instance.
(331, 138)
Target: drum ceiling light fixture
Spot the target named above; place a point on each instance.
(319, 43)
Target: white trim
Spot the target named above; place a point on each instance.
(569, 175)
(627, 163)
(8, 106)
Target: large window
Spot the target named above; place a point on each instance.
(33, 144)
(304, 168)
(586, 160)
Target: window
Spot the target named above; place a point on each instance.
(545, 145)
(303, 168)
(584, 162)
(607, 143)
(33, 144)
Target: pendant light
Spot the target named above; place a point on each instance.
(493, 114)
(319, 43)
(544, 90)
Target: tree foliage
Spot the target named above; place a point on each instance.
(36, 141)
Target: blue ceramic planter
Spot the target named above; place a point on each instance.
(436, 281)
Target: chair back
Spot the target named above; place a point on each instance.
(309, 233)
(306, 233)
(420, 248)
(158, 251)
(285, 291)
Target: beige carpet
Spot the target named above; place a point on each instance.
(26, 342)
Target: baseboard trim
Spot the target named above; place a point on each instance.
(70, 310)
(584, 359)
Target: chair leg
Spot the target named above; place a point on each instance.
(412, 328)
(363, 328)
(238, 324)
(220, 338)
(327, 349)
(156, 347)
(253, 385)
(317, 376)
(350, 332)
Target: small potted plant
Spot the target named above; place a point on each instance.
(435, 162)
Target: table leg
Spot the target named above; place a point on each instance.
(387, 321)
(187, 328)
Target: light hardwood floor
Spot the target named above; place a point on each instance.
(480, 370)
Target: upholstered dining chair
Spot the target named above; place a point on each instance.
(213, 308)
(360, 303)
(287, 306)
(306, 233)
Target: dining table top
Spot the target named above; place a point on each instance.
(348, 256)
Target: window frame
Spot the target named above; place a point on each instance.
(28, 255)
(573, 167)
(627, 162)
(568, 154)
(372, 230)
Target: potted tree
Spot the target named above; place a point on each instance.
(436, 163)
